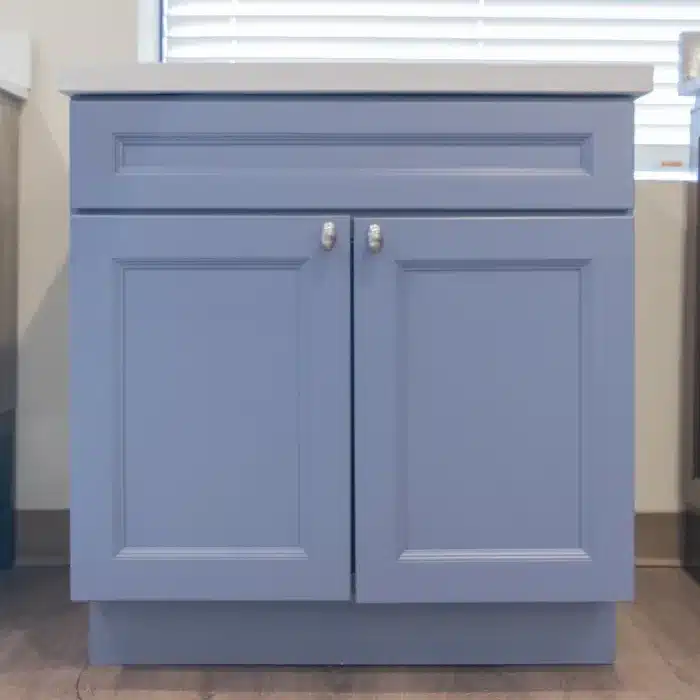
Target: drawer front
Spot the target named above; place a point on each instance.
(352, 153)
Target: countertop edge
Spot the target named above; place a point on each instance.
(494, 78)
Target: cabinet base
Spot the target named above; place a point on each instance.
(320, 634)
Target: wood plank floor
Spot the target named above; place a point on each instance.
(42, 657)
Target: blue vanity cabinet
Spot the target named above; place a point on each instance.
(352, 374)
(494, 427)
(210, 408)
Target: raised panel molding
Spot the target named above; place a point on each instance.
(238, 553)
(123, 551)
(417, 556)
(463, 154)
(485, 265)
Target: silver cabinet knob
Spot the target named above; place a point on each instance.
(374, 238)
(328, 236)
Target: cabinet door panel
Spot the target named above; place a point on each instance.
(494, 410)
(210, 409)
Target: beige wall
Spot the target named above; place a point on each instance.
(75, 31)
(665, 252)
(63, 32)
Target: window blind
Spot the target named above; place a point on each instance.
(541, 30)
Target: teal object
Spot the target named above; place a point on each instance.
(7, 490)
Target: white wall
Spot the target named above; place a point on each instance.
(65, 32)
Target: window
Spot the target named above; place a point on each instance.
(540, 30)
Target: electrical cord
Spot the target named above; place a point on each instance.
(78, 695)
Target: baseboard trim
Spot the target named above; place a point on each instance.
(658, 539)
(652, 563)
(42, 562)
(43, 538)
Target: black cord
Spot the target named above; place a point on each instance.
(78, 695)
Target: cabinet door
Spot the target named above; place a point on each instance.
(494, 410)
(210, 410)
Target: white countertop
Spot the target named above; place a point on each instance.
(467, 77)
(15, 64)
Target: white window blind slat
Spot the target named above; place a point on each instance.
(269, 49)
(652, 10)
(643, 31)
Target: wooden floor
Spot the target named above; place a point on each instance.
(42, 657)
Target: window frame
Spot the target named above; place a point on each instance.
(149, 44)
(150, 50)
